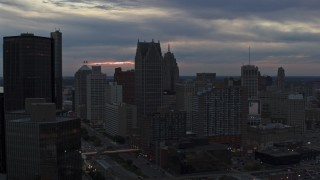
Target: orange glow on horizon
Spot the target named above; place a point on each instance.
(106, 63)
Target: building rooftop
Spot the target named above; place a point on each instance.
(84, 68)
(278, 152)
(272, 126)
(28, 120)
(103, 163)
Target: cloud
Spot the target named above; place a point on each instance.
(204, 35)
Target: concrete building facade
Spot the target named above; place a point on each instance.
(96, 84)
(80, 91)
(120, 118)
(113, 92)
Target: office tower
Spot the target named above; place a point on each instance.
(205, 81)
(120, 118)
(126, 79)
(165, 126)
(113, 93)
(57, 59)
(31, 64)
(249, 79)
(280, 78)
(41, 145)
(148, 78)
(96, 85)
(170, 71)
(296, 112)
(184, 94)
(217, 114)
(273, 107)
(3, 168)
(80, 91)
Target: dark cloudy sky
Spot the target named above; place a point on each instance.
(205, 35)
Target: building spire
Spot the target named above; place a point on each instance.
(249, 55)
(168, 47)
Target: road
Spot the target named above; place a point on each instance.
(144, 165)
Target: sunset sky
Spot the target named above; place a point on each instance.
(205, 35)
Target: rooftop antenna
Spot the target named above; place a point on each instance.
(168, 47)
(249, 55)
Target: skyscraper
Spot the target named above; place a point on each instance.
(80, 100)
(96, 85)
(29, 69)
(170, 71)
(41, 145)
(218, 114)
(126, 79)
(57, 56)
(113, 93)
(280, 78)
(249, 79)
(2, 135)
(205, 81)
(148, 78)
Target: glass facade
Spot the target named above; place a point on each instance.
(28, 69)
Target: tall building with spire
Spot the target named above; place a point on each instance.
(280, 78)
(170, 71)
(148, 78)
(250, 79)
(80, 91)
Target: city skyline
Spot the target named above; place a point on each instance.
(205, 36)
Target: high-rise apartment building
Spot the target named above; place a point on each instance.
(296, 112)
(205, 81)
(96, 85)
(113, 93)
(250, 79)
(41, 145)
(148, 78)
(217, 114)
(80, 91)
(126, 79)
(32, 68)
(120, 118)
(280, 78)
(184, 93)
(170, 71)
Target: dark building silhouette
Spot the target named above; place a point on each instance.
(29, 69)
(250, 79)
(280, 78)
(57, 56)
(148, 78)
(41, 145)
(80, 91)
(126, 79)
(2, 135)
(170, 71)
(205, 81)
